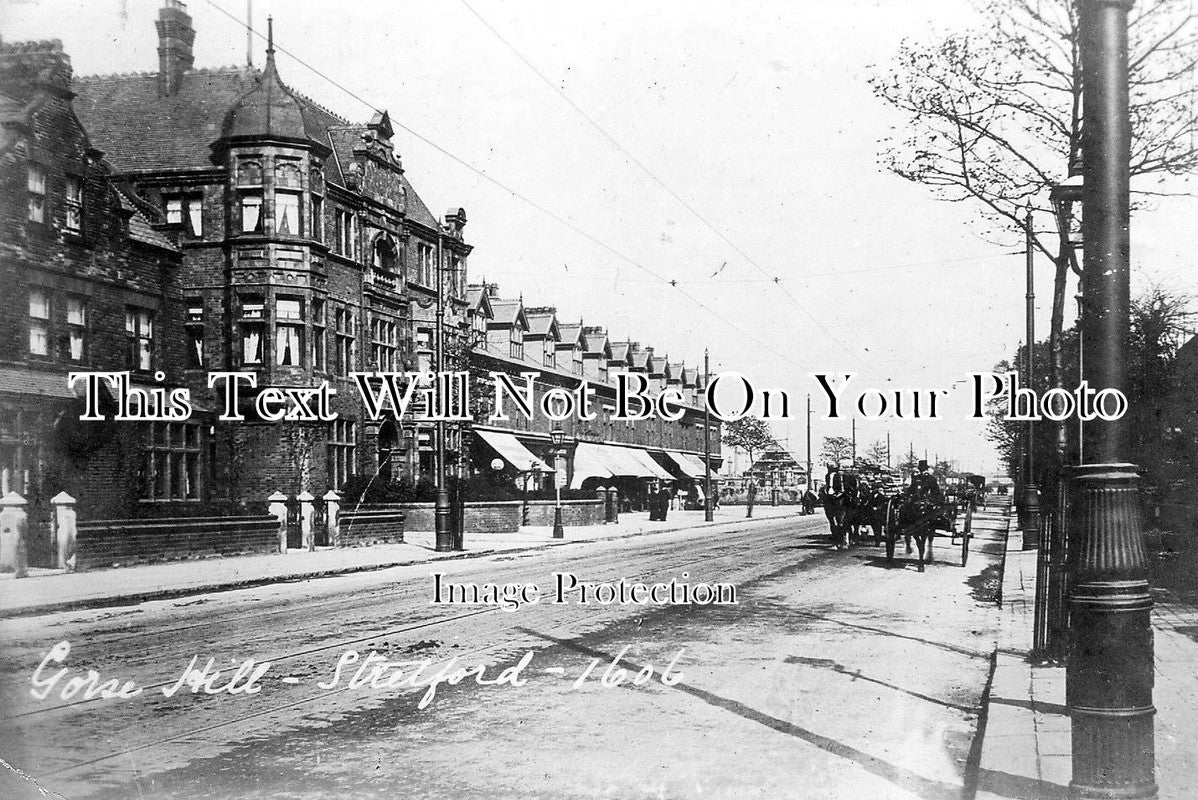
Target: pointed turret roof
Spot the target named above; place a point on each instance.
(269, 110)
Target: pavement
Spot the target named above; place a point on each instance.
(47, 591)
(1026, 747)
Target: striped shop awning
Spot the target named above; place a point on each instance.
(689, 465)
(514, 453)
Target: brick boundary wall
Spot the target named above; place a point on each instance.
(574, 512)
(505, 516)
(371, 524)
(122, 542)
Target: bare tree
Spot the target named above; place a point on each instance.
(994, 114)
(994, 118)
(750, 434)
(878, 452)
(836, 449)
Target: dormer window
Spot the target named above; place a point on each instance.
(36, 184)
(516, 342)
(73, 201)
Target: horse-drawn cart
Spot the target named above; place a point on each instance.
(923, 519)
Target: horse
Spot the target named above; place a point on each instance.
(835, 500)
(918, 518)
(870, 511)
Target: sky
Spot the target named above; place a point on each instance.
(760, 132)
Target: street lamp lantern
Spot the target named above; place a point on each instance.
(1066, 198)
(557, 436)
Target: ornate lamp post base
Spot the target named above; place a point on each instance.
(1031, 517)
(441, 514)
(1109, 677)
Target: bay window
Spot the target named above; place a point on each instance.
(252, 329)
(289, 332)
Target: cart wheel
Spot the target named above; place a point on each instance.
(965, 549)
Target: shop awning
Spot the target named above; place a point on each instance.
(589, 462)
(647, 463)
(514, 453)
(689, 465)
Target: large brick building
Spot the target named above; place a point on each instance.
(305, 252)
(185, 220)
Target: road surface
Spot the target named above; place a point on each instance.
(834, 675)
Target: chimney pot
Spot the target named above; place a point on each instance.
(176, 39)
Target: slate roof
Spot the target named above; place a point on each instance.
(28, 381)
(569, 333)
(595, 342)
(139, 227)
(640, 359)
(269, 109)
(540, 323)
(142, 132)
(506, 312)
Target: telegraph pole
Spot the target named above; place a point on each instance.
(1031, 493)
(708, 506)
(887, 449)
(808, 441)
(1109, 677)
(854, 420)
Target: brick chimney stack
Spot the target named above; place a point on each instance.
(175, 40)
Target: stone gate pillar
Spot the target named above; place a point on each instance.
(332, 515)
(278, 510)
(64, 530)
(307, 535)
(13, 556)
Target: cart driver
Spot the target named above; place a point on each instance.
(924, 485)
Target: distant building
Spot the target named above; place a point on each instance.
(777, 468)
(600, 452)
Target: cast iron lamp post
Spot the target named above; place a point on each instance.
(1109, 678)
(708, 503)
(558, 437)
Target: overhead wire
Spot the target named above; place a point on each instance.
(775, 279)
(514, 193)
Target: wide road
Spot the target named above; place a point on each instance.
(834, 675)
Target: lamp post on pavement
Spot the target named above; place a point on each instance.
(1109, 673)
(558, 437)
(708, 503)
